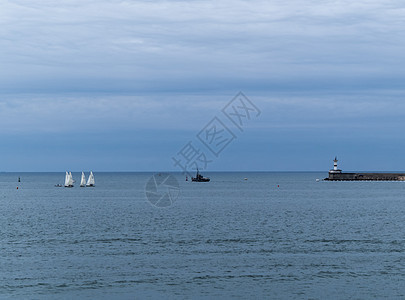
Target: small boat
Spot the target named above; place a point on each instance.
(90, 181)
(83, 180)
(68, 179)
(199, 178)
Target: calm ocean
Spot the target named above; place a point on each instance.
(275, 235)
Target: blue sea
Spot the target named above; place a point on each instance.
(273, 235)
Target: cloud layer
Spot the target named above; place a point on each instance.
(189, 45)
(132, 81)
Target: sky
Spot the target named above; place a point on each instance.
(125, 85)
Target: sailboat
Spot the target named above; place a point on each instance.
(83, 180)
(68, 179)
(90, 181)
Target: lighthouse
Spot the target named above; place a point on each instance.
(335, 166)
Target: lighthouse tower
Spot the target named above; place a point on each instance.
(335, 167)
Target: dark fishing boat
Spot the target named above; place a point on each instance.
(199, 178)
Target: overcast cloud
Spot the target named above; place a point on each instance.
(169, 45)
(117, 68)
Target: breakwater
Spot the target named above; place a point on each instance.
(366, 176)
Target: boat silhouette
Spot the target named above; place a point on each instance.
(199, 178)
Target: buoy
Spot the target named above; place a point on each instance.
(17, 187)
(278, 185)
(186, 178)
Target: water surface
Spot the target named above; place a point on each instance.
(275, 235)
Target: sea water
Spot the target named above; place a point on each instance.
(273, 235)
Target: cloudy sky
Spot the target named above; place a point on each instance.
(124, 85)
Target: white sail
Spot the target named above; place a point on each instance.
(67, 179)
(83, 180)
(70, 179)
(90, 181)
